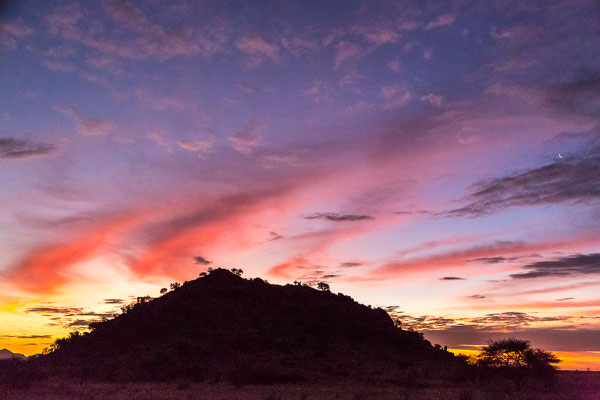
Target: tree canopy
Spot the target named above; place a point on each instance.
(515, 353)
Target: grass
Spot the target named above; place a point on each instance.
(569, 386)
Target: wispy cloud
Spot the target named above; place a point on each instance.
(151, 39)
(442, 20)
(336, 217)
(13, 149)
(433, 99)
(346, 52)
(11, 33)
(567, 266)
(246, 140)
(201, 146)
(572, 180)
(257, 49)
(86, 126)
(395, 95)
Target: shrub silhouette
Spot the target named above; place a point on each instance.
(324, 286)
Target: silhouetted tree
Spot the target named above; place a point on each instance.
(237, 271)
(163, 290)
(516, 359)
(324, 286)
(174, 285)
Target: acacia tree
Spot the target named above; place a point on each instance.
(517, 360)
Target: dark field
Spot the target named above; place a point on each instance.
(569, 385)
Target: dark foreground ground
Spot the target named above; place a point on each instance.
(569, 386)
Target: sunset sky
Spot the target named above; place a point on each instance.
(439, 158)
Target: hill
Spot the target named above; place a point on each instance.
(7, 354)
(245, 331)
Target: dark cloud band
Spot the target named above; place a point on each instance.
(11, 148)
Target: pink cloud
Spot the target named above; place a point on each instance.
(258, 49)
(201, 146)
(346, 52)
(95, 127)
(395, 95)
(433, 99)
(442, 20)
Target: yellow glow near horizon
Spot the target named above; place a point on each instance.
(570, 360)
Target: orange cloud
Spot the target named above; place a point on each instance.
(45, 268)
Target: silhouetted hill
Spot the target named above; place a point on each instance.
(224, 327)
(7, 354)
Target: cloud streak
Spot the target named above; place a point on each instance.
(573, 180)
(577, 264)
(336, 217)
(15, 149)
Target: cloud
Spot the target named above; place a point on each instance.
(381, 36)
(565, 298)
(345, 52)
(491, 321)
(395, 95)
(298, 45)
(245, 141)
(433, 99)
(257, 49)
(566, 266)
(95, 127)
(113, 301)
(11, 33)
(86, 126)
(201, 146)
(43, 268)
(579, 95)
(318, 91)
(460, 257)
(451, 278)
(335, 217)
(151, 39)
(54, 310)
(27, 336)
(477, 296)
(494, 260)
(394, 65)
(274, 236)
(11, 148)
(350, 264)
(202, 260)
(572, 180)
(158, 138)
(442, 20)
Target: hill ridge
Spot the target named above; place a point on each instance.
(223, 326)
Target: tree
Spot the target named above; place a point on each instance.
(174, 285)
(163, 290)
(237, 271)
(516, 359)
(324, 286)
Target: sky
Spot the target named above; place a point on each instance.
(437, 158)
